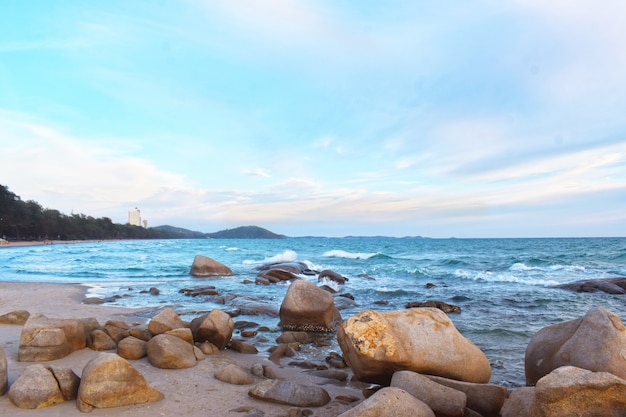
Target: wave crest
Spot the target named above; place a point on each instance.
(337, 253)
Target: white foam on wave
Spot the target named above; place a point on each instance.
(332, 284)
(232, 249)
(286, 256)
(350, 255)
(503, 277)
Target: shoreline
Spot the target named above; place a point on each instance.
(192, 392)
(25, 243)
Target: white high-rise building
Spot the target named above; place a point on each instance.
(134, 217)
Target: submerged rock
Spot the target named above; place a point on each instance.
(607, 285)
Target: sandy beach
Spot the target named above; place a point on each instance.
(189, 392)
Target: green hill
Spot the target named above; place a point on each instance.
(245, 232)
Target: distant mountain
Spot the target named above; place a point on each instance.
(180, 232)
(242, 232)
(245, 232)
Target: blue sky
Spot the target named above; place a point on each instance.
(466, 119)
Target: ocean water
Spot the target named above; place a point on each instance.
(503, 286)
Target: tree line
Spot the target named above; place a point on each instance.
(28, 220)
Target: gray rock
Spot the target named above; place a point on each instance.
(290, 393)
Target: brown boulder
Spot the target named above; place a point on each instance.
(332, 276)
(204, 266)
(290, 393)
(132, 348)
(45, 339)
(215, 327)
(166, 320)
(306, 307)
(117, 329)
(100, 340)
(423, 340)
(608, 285)
(390, 401)
(234, 374)
(41, 386)
(571, 391)
(170, 352)
(111, 381)
(595, 342)
(487, 399)
(441, 399)
(519, 402)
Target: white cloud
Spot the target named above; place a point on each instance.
(257, 172)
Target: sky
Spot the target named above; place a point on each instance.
(322, 117)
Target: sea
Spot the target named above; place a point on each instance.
(504, 287)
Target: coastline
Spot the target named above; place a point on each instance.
(192, 392)
(22, 243)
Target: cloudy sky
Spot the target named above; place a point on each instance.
(321, 117)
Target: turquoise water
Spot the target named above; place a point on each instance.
(501, 285)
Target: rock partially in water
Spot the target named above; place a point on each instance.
(607, 285)
(203, 266)
(441, 305)
(306, 307)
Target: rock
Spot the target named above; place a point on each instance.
(215, 327)
(234, 374)
(294, 337)
(111, 381)
(170, 352)
(607, 285)
(45, 339)
(571, 391)
(390, 402)
(306, 307)
(519, 402)
(331, 374)
(100, 340)
(17, 317)
(332, 276)
(595, 342)
(132, 348)
(166, 320)
(140, 332)
(208, 348)
(204, 266)
(117, 329)
(197, 291)
(486, 399)
(36, 388)
(243, 347)
(4, 378)
(184, 334)
(441, 305)
(290, 393)
(423, 340)
(441, 399)
(275, 275)
(93, 300)
(67, 380)
(293, 267)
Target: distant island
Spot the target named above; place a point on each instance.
(241, 232)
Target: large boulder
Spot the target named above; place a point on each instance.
(608, 285)
(170, 352)
(390, 402)
(204, 266)
(215, 327)
(41, 386)
(111, 381)
(595, 342)
(17, 317)
(306, 307)
(423, 340)
(132, 348)
(571, 391)
(46, 339)
(519, 402)
(4, 379)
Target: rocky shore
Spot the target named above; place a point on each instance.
(70, 358)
